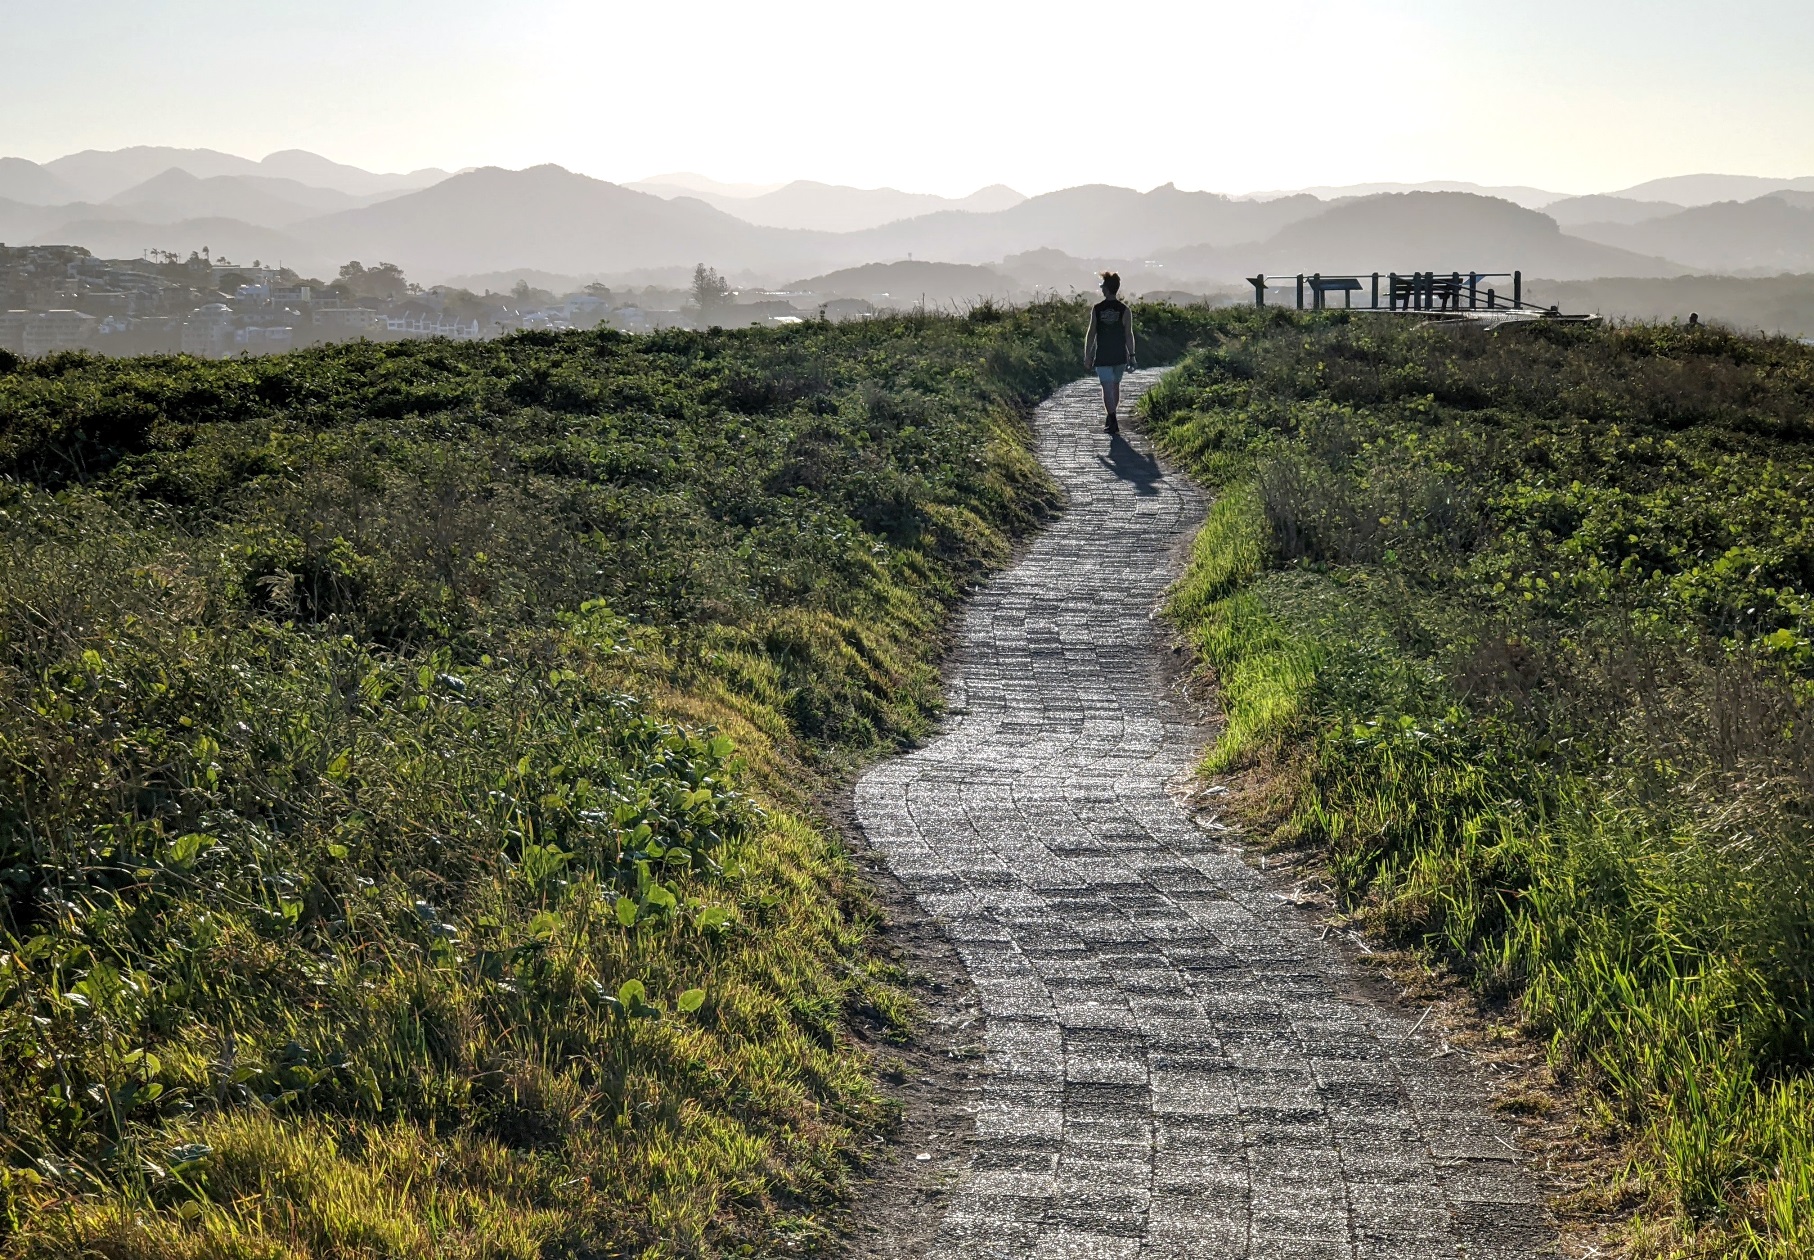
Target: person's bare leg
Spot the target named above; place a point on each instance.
(1111, 395)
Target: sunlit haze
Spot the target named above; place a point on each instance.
(941, 96)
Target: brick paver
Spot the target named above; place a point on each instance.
(1177, 1065)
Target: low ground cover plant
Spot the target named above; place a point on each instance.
(1520, 628)
(402, 759)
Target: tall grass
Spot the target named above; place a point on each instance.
(403, 754)
(1522, 621)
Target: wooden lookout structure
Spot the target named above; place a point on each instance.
(1409, 292)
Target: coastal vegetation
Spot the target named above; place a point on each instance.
(407, 760)
(1517, 629)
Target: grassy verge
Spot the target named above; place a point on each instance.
(402, 760)
(1523, 623)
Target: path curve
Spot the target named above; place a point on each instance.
(1176, 1066)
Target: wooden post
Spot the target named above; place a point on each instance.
(1473, 289)
(1300, 290)
(1376, 290)
(1492, 299)
(1316, 291)
(1259, 289)
(1518, 289)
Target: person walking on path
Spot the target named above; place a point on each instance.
(1109, 347)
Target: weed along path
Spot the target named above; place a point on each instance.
(1176, 1065)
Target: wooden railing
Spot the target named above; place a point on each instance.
(1404, 291)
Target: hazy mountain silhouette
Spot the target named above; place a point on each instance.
(96, 175)
(225, 238)
(21, 221)
(1524, 195)
(1766, 234)
(261, 200)
(836, 208)
(32, 185)
(1092, 221)
(907, 284)
(1421, 232)
(1571, 212)
(549, 218)
(318, 172)
(1702, 190)
(677, 182)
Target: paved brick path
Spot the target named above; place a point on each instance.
(1177, 1066)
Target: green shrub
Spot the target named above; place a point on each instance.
(401, 755)
(1531, 613)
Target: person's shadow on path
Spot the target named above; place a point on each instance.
(1130, 465)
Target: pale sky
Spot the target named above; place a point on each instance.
(937, 95)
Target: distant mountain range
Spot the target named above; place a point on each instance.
(908, 284)
(307, 212)
(1604, 208)
(827, 207)
(1529, 198)
(96, 175)
(1421, 231)
(1702, 190)
(1767, 235)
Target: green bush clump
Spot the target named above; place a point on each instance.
(401, 757)
(1523, 622)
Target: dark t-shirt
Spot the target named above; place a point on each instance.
(1112, 318)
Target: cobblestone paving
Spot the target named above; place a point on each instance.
(1176, 1065)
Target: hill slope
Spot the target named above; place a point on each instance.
(1092, 221)
(224, 238)
(1702, 190)
(1767, 235)
(96, 174)
(261, 200)
(30, 184)
(1423, 232)
(901, 285)
(1571, 212)
(551, 219)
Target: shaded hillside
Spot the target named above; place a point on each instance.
(1571, 212)
(1423, 232)
(1768, 234)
